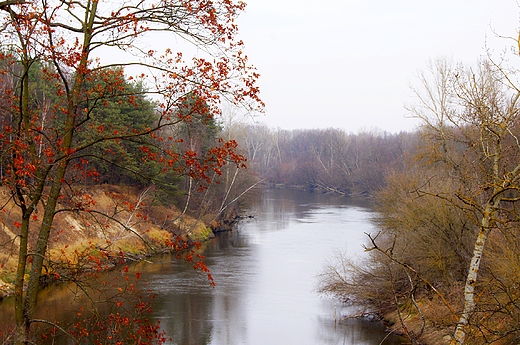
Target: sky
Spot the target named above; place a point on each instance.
(349, 64)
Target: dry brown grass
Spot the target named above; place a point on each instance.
(122, 222)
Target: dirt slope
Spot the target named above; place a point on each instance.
(105, 222)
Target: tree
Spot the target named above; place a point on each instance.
(74, 39)
(449, 219)
(470, 118)
(123, 164)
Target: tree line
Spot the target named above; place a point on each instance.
(330, 160)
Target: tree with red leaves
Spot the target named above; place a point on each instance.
(81, 49)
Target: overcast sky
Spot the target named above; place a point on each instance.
(349, 64)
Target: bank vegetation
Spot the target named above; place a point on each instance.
(444, 264)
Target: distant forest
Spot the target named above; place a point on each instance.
(326, 159)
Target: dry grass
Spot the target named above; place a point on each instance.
(89, 240)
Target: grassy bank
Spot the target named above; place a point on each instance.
(120, 225)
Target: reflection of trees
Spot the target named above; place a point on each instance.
(282, 206)
(231, 309)
(184, 318)
(190, 311)
(229, 266)
(354, 331)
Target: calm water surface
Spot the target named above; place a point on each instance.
(266, 276)
(265, 273)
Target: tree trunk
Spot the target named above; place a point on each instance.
(37, 257)
(459, 335)
(26, 302)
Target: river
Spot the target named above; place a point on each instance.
(265, 274)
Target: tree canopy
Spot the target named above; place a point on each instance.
(70, 111)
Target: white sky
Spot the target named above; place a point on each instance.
(349, 63)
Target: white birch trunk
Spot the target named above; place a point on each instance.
(459, 335)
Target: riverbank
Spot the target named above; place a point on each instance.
(431, 334)
(424, 332)
(121, 225)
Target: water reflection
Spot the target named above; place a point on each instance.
(265, 274)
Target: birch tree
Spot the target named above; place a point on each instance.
(470, 117)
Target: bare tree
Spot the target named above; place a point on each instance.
(470, 118)
(449, 218)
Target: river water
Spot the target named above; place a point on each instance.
(265, 275)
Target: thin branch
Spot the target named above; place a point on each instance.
(56, 326)
(405, 265)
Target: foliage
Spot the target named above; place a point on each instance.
(119, 161)
(68, 107)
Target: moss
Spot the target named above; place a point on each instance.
(158, 237)
(201, 233)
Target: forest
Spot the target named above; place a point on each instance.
(326, 160)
